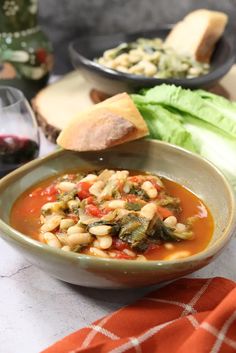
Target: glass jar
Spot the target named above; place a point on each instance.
(25, 52)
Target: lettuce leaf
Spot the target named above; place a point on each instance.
(196, 121)
(214, 145)
(159, 118)
(202, 106)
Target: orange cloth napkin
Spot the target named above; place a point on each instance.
(186, 316)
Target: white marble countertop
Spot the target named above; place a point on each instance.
(37, 310)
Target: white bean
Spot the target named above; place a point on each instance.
(97, 252)
(66, 186)
(122, 174)
(122, 59)
(100, 230)
(121, 213)
(129, 252)
(63, 238)
(79, 238)
(89, 177)
(108, 54)
(86, 219)
(138, 68)
(52, 240)
(180, 227)
(96, 243)
(96, 188)
(66, 248)
(72, 204)
(51, 223)
(109, 216)
(109, 63)
(41, 237)
(194, 71)
(134, 58)
(141, 258)
(116, 204)
(169, 246)
(105, 175)
(112, 254)
(155, 56)
(170, 221)
(75, 229)
(150, 190)
(66, 223)
(148, 211)
(122, 68)
(158, 181)
(105, 242)
(126, 188)
(178, 255)
(150, 69)
(56, 206)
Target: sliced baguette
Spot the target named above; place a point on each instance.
(197, 34)
(112, 122)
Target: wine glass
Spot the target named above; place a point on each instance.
(19, 135)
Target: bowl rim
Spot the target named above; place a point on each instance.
(208, 252)
(118, 75)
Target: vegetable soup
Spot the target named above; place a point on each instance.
(116, 214)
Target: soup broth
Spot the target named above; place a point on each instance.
(115, 214)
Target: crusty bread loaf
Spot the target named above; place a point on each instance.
(57, 103)
(197, 34)
(116, 120)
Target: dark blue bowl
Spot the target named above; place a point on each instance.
(83, 50)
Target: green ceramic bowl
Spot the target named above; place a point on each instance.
(174, 163)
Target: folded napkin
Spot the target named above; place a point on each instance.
(186, 316)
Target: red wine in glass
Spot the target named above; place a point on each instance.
(19, 135)
(15, 151)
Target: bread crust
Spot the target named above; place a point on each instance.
(197, 34)
(112, 122)
(51, 132)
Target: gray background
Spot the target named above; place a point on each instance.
(64, 20)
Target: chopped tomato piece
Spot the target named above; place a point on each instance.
(73, 216)
(120, 186)
(135, 179)
(164, 212)
(51, 198)
(151, 247)
(119, 244)
(36, 192)
(90, 200)
(131, 198)
(83, 189)
(50, 190)
(154, 183)
(122, 255)
(93, 210)
(157, 186)
(106, 210)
